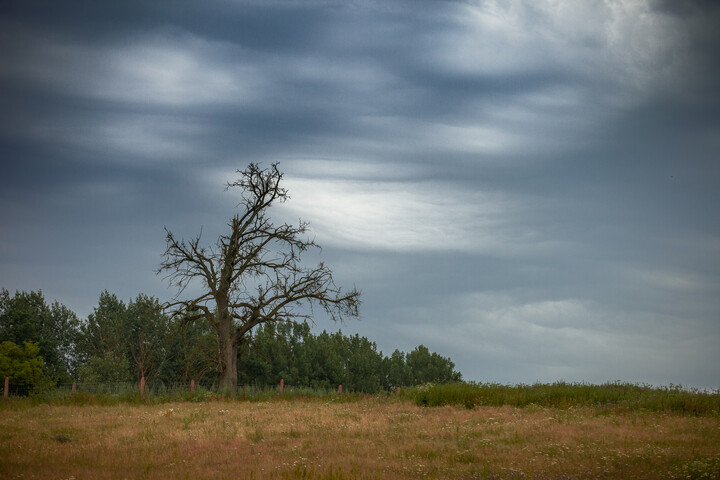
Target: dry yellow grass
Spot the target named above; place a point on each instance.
(372, 438)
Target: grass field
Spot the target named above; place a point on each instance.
(369, 437)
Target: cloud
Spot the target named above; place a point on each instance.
(497, 336)
(400, 216)
(557, 67)
(129, 138)
(164, 68)
(670, 281)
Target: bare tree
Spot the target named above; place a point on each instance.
(253, 273)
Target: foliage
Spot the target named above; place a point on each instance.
(424, 367)
(190, 354)
(108, 368)
(25, 317)
(148, 334)
(605, 398)
(104, 342)
(397, 370)
(23, 366)
(290, 351)
(121, 343)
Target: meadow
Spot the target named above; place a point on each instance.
(359, 436)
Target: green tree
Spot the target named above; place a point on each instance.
(108, 367)
(106, 329)
(301, 341)
(25, 317)
(271, 354)
(364, 366)
(64, 329)
(430, 367)
(23, 366)
(105, 342)
(148, 335)
(190, 354)
(397, 372)
(258, 361)
(122, 343)
(291, 352)
(328, 361)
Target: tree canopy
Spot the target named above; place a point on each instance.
(26, 317)
(23, 366)
(290, 351)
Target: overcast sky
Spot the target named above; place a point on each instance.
(529, 187)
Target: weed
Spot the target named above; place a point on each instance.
(466, 456)
(700, 469)
(255, 436)
(62, 437)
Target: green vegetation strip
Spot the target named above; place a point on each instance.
(610, 396)
(130, 394)
(606, 398)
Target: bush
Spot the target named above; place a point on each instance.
(24, 367)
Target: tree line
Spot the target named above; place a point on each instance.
(43, 345)
(248, 323)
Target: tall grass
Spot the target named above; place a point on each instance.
(129, 393)
(607, 397)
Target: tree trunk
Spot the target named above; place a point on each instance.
(228, 359)
(227, 344)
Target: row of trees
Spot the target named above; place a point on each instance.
(42, 345)
(253, 289)
(292, 352)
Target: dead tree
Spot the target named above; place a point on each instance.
(252, 274)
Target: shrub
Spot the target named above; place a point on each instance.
(24, 367)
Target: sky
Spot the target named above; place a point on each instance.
(528, 187)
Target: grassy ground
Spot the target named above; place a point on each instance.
(373, 437)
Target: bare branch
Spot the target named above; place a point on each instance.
(254, 255)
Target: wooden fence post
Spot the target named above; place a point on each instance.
(340, 389)
(282, 386)
(7, 387)
(192, 386)
(142, 387)
(73, 388)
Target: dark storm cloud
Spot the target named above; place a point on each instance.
(525, 187)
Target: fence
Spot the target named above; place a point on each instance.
(145, 388)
